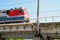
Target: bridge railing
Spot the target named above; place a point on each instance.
(46, 19)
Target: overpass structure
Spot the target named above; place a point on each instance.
(26, 30)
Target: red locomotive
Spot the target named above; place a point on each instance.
(16, 15)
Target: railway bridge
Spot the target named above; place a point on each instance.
(26, 30)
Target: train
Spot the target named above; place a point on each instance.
(17, 15)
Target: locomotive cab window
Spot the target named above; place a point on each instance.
(7, 12)
(4, 12)
(21, 10)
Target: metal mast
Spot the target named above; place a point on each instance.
(38, 9)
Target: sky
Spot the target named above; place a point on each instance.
(47, 7)
(30, 5)
(50, 7)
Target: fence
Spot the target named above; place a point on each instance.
(46, 19)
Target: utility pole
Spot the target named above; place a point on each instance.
(37, 27)
(38, 9)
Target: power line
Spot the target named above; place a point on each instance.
(50, 11)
